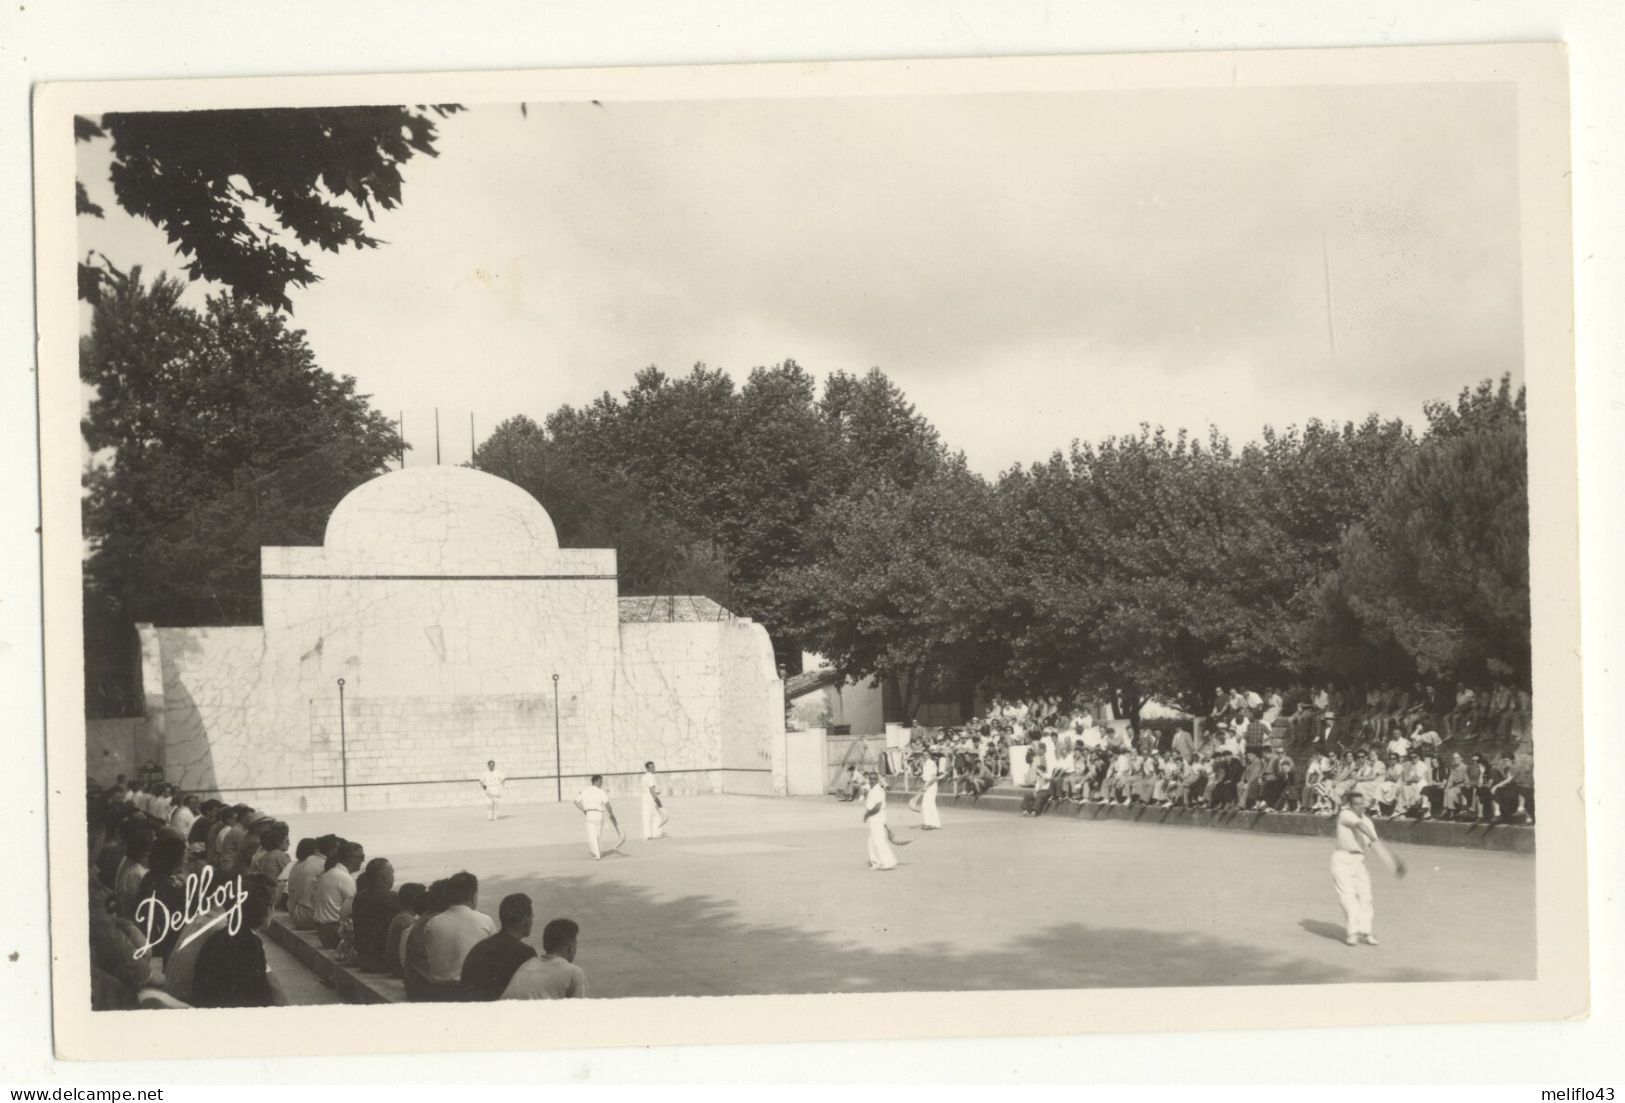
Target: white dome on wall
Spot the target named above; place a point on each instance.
(441, 518)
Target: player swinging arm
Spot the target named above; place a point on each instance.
(1356, 834)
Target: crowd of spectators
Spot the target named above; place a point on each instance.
(1261, 752)
(182, 889)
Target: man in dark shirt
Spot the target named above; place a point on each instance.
(491, 964)
(375, 905)
(231, 969)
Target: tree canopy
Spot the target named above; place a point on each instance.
(1140, 566)
(228, 186)
(213, 432)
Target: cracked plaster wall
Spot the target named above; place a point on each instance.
(441, 598)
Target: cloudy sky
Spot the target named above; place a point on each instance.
(1030, 268)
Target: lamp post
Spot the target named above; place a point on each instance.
(344, 758)
(558, 754)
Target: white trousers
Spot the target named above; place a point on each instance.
(880, 851)
(651, 819)
(928, 806)
(595, 828)
(1352, 881)
(491, 800)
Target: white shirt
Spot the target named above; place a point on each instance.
(302, 883)
(335, 889)
(875, 801)
(651, 786)
(1349, 836)
(1399, 745)
(492, 781)
(450, 935)
(593, 798)
(547, 978)
(182, 819)
(929, 772)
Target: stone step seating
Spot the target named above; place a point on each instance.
(1007, 798)
(354, 985)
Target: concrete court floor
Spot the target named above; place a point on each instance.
(752, 895)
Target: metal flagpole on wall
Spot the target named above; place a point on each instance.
(558, 755)
(344, 757)
(437, 435)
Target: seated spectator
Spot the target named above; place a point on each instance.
(851, 784)
(1458, 722)
(374, 908)
(1251, 794)
(1485, 778)
(181, 968)
(335, 892)
(201, 826)
(163, 886)
(301, 896)
(415, 950)
(1502, 710)
(270, 859)
(410, 901)
(554, 975)
(1458, 790)
(231, 970)
(223, 845)
(1388, 789)
(133, 870)
(1192, 780)
(1399, 746)
(1433, 790)
(1320, 785)
(978, 782)
(451, 934)
(162, 803)
(1414, 778)
(491, 963)
(248, 843)
(117, 970)
(184, 815)
(1514, 792)
(112, 850)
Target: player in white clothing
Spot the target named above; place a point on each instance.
(1355, 835)
(874, 816)
(930, 775)
(491, 782)
(594, 804)
(653, 810)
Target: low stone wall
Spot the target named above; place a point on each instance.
(1504, 837)
(298, 800)
(353, 985)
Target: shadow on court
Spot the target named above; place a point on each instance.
(636, 943)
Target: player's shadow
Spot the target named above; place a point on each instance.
(635, 942)
(1323, 929)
